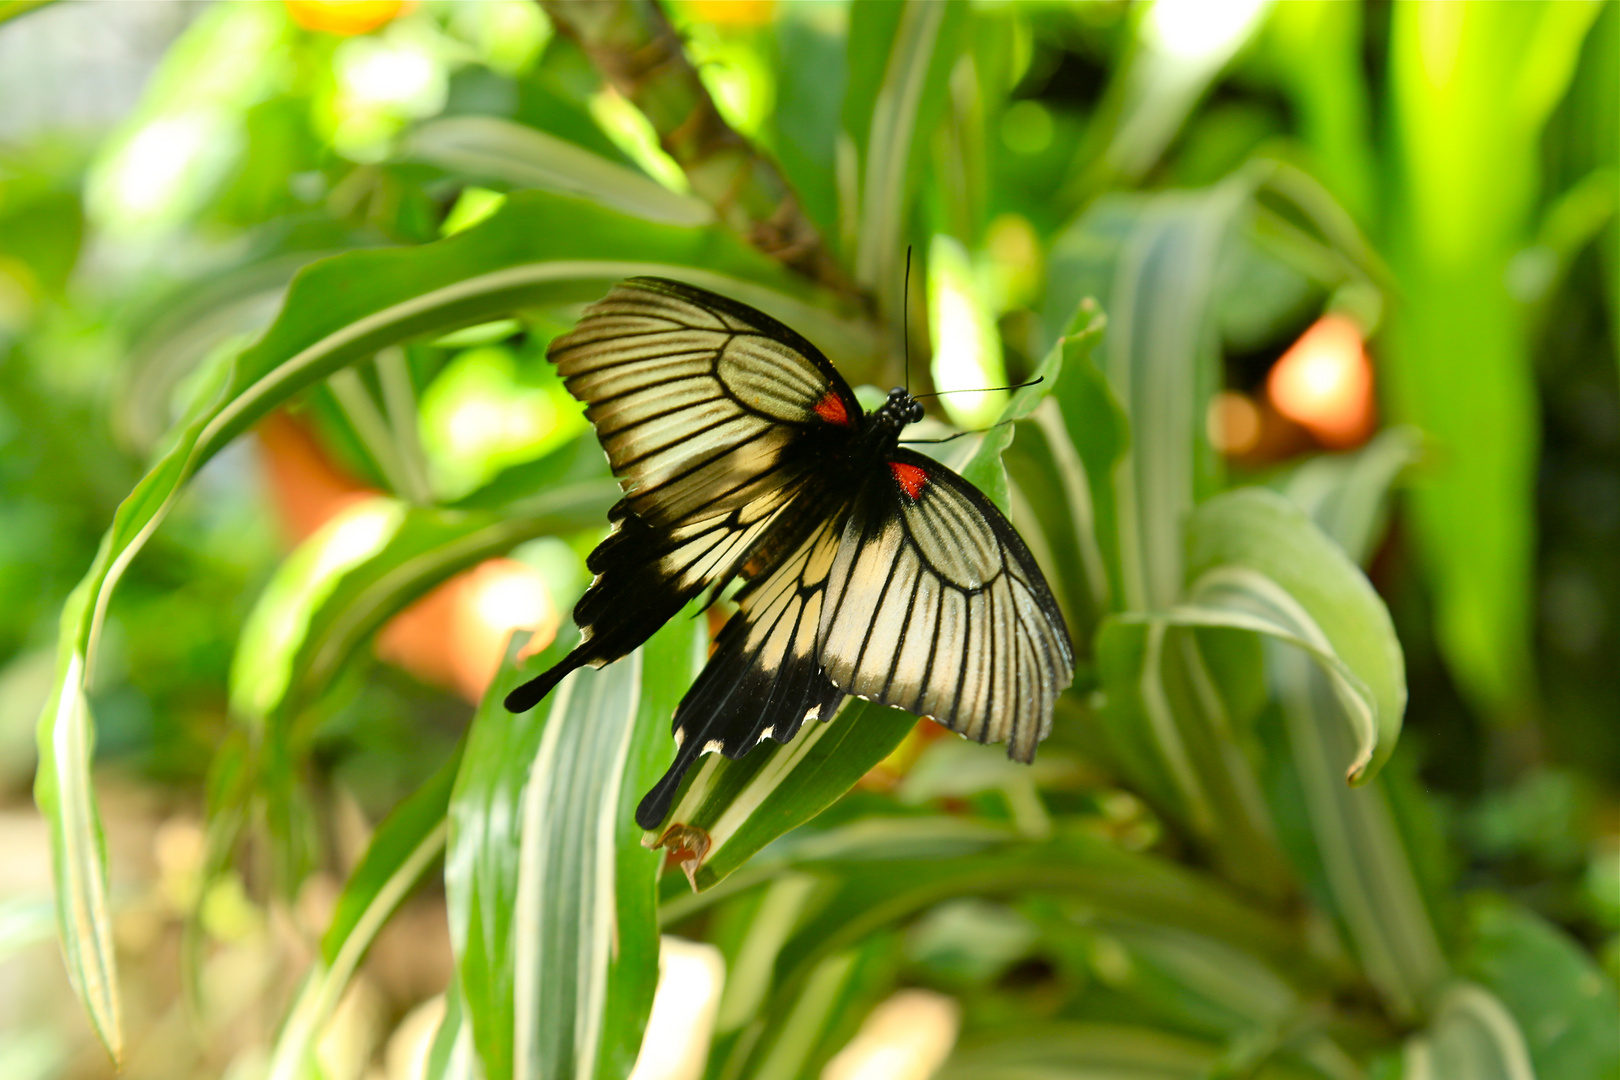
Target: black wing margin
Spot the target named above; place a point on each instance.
(934, 604)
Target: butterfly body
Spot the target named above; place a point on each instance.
(865, 569)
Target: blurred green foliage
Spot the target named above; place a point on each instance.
(381, 231)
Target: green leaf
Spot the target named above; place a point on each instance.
(1089, 1051)
(1170, 729)
(913, 46)
(11, 9)
(1255, 562)
(1457, 360)
(193, 322)
(1150, 261)
(403, 848)
(1347, 495)
(359, 570)
(1114, 1051)
(984, 469)
(1367, 869)
(1562, 1001)
(551, 896)
(1150, 96)
(886, 884)
(1079, 437)
(809, 1029)
(66, 799)
(481, 861)
(452, 1057)
(1472, 1035)
(494, 148)
(740, 806)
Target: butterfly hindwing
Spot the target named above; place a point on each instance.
(935, 605)
(700, 402)
(765, 678)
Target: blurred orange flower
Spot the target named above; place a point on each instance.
(455, 636)
(345, 17)
(1324, 383)
(732, 12)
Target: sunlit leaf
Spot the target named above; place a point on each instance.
(551, 895)
(323, 605)
(899, 59)
(493, 148)
(1458, 361)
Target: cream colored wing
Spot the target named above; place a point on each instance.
(701, 403)
(935, 605)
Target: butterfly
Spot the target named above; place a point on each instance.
(865, 568)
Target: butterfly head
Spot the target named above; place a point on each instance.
(901, 409)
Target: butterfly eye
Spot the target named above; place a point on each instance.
(915, 413)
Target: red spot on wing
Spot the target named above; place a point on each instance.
(831, 409)
(911, 479)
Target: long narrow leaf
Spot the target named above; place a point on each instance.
(907, 104)
(1368, 871)
(551, 894)
(495, 148)
(405, 845)
(66, 799)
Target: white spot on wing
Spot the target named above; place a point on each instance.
(814, 713)
(680, 737)
(767, 733)
(713, 746)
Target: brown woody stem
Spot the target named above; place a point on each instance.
(638, 52)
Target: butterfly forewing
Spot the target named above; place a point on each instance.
(935, 605)
(701, 404)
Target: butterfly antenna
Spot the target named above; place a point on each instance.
(987, 389)
(957, 435)
(905, 321)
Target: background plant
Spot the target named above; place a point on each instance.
(351, 230)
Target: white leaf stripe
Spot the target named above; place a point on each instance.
(325, 985)
(564, 937)
(81, 903)
(1244, 598)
